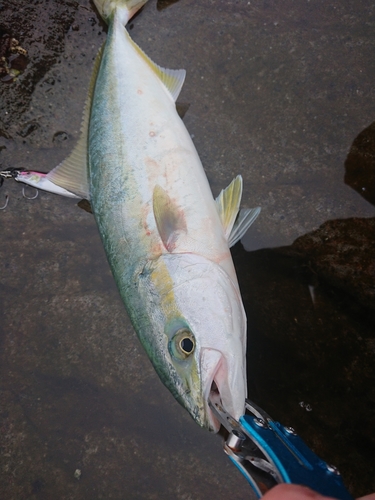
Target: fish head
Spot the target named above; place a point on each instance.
(198, 343)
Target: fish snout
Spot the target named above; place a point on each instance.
(217, 384)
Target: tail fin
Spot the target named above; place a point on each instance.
(106, 8)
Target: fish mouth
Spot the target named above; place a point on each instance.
(215, 385)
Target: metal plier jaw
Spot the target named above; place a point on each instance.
(267, 453)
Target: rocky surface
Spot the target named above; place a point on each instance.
(311, 344)
(342, 253)
(39, 28)
(360, 164)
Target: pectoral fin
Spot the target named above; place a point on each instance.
(169, 218)
(235, 221)
(72, 173)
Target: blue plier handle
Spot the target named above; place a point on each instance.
(267, 453)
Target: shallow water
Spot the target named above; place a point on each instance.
(285, 97)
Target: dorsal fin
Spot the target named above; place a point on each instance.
(173, 79)
(71, 173)
(228, 204)
(169, 218)
(244, 220)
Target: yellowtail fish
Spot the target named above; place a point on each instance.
(166, 239)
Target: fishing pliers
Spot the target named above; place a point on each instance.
(267, 453)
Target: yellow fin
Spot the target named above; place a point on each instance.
(235, 221)
(173, 79)
(169, 218)
(244, 220)
(72, 173)
(228, 204)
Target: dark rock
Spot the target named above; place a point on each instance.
(360, 164)
(18, 62)
(342, 252)
(39, 28)
(28, 128)
(59, 137)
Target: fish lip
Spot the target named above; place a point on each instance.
(214, 366)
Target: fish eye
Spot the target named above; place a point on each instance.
(182, 344)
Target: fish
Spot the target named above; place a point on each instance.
(167, 240)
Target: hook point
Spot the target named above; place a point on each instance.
(30, 197)
(6, 202)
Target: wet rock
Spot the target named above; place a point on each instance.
(18, 62)
(37, 486)
(50, 80)
(342, 252)
(4, 133)
(59, 137)
(39, 29)
(314, 349)
(13, 59)
(360, 164)
(28, 128)
(164, 4)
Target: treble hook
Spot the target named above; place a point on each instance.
(29, 197)
(6, 202)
